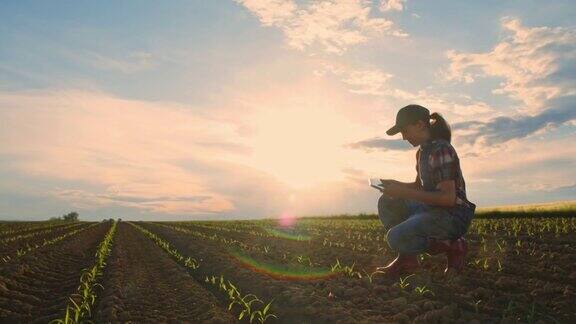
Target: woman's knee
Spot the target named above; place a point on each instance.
(383, 202)
(393, 237)
(391, 211)
(383, 210)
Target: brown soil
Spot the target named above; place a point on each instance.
(507, 279)
(486, 295)
(143, 284)
(10, 248)
(36, 287)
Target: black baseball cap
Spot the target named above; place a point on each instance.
(408, 115)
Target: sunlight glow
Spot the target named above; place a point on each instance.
(286, 219)
(282, 271)
(300, 145)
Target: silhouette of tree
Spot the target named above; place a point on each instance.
(70, 217)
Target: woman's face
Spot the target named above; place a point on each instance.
(414, 133)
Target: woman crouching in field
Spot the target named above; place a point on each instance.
(431, 214)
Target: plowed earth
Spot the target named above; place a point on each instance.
(35, 288)
(510, 277)
(143, 284)
(10, 248)
(527, 285)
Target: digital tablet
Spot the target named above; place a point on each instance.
(376, 183)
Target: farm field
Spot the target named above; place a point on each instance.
(520, 268)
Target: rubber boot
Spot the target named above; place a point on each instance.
(403, 264)
(437, 247)
(455, 252)
(457, 255)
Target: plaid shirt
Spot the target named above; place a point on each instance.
(437, 161)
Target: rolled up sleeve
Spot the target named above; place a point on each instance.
(444, 164)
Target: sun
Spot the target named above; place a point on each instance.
(300, 145)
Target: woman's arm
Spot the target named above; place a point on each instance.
(446, 197)
(412, 185)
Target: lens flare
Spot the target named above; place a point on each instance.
(282, 272)
(287, 233)
(286, 219)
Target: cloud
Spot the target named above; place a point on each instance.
(191, 205)
(375, 82)
(128, 63)
(371, 81)
(569, 190)
(353, 171)
(502, 129)
(381, 144)
(529, 165)
(104, 155)
(360, 81)
(227, 147)
(271, 12)
(392, 5)
(125, 150)
(134, 62)
(536, 64)
(332, 25)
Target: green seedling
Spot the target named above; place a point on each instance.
(262, 315)
(88, 284)
(336, 267)
(485, 265)
(476, 305)
(403, 283)
(422, 290)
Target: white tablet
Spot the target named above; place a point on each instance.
(376, 183)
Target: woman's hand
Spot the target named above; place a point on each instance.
(386, 182)
(394, 189)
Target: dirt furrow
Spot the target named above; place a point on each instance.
(143, 284)
(11, 248)
(303, 301)
(36, 287)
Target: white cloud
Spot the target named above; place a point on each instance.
(361, 81)
(375, 82)
(271, 12)
(392, 5)
(333, 25)
(126, 148)
(529, 163)
(536, 64)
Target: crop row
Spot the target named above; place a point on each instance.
(355, 242)
(80, 305)
(245, 303)
(319, 296)
(270, 250)
(528, 226)
(304, 255)
(19, 228)
(18, 237)
(303, 230)
(491, 255)
(47, 242)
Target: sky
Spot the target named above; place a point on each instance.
(237, 109)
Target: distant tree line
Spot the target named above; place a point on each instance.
(70, 217)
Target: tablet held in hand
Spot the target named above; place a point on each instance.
(376, 183)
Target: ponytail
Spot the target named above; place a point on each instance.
(439, 128)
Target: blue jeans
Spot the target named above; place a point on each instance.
(410, 224)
